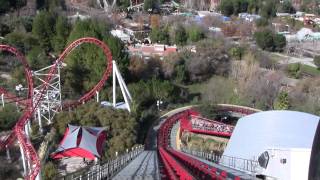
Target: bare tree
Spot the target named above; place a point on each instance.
(258, 86)
(210, 59)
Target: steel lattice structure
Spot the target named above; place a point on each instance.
(29, 155)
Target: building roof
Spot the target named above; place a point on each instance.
(81, 142)
(258, 132)
(149, 50)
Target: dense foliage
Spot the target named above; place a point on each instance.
(150, 4)
(316, 61)
(282, 102)
(268, 40)
(266, 8)
(7, 5)
(179, 34)
(8, 116)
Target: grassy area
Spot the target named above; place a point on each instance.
(298, 70)
(275, 57)
(196, 87)
(204, 142)
(310, 70)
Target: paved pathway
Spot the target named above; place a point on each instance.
(291, 60)
(145, 166)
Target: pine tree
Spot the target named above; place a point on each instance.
(43, 29)
(62, 29)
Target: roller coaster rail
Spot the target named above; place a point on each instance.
(20, 131)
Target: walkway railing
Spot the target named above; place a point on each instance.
(106, 169)
(228, 161)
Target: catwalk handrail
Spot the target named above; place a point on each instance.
(247, 165)
(104, 169)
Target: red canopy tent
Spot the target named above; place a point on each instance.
(86, 142)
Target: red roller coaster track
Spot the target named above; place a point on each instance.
(18, 132)
(27, 72)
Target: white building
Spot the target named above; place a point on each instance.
(78, 16)
(121, 35)
(249, 17)
(280, 140)
(304, 34)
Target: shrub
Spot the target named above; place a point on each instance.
(294, 70)
(316, 61)
(49, 171)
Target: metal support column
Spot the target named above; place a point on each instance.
(39, 120)
(23, 160)
(2, 99)
(114, 84)
(8, 153)
(97, 96)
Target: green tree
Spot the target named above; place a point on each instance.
(49, 171)
(287, 7)
(88, 59)
(37, 58)
(226, 7)
(43, 28)
(262, 22)
(180, 36)
(62, 30)
(279, 42)
(294, 70)
(269, 9)
(51, 5)
(316, 61)
(268, 40)
(4, 6)
(9, 116)
(237, 52)
(159, 35)
(23, 41)
(4, 29)
(254, 6)
(208, 110)
(195, 34)
(16, 39)
(282, 101)
(240, 6)
(7, 5)
(123, 4)
(161, 90)
(119, 54)
(149, 5)
(264, 39)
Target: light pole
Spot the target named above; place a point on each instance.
(19, 88)
(159, 102)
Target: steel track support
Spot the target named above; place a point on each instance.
(23, 160)
(50, 102)
(97, 96)
(114, 85)
(123, 87)
(2, 99)
(8, 153)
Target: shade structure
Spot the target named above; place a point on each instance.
(86, 142)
